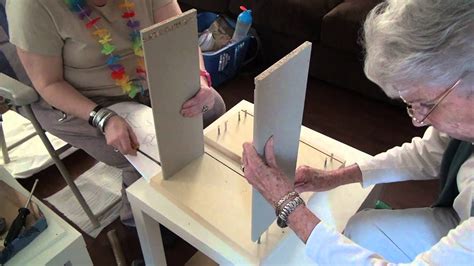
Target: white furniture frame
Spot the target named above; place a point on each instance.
(195, 216)
(59, 244)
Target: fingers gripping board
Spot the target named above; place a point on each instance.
(172, 62)
(279, 102)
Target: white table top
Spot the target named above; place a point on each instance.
(51, 242)
(193, 205)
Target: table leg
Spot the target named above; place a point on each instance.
(150, 236)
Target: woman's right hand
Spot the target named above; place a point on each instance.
(120, 135)
(312, 179)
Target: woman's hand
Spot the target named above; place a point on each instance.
(120, 135)
(201, 102)
(269, 180)
(311, 179)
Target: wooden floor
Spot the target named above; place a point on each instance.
(346, 116)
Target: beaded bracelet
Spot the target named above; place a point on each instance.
(288, 196)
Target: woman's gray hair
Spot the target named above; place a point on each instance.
(429, 42)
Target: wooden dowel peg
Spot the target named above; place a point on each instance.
(116, 247)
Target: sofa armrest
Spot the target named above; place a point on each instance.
(16, 92)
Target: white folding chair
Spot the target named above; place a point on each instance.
(20, 97)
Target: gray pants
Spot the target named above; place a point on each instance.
(400, 235)
(80, 134)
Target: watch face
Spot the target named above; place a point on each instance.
(281, 223)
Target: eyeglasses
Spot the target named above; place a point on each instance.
(431, 106)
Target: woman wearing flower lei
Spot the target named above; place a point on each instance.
(85, 55)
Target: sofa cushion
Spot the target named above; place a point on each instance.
(3, 23)
(218, 6)
(234, 5)
(341, 27)
(296, 18)
(344, 70)
(5, 66)
(9, 62)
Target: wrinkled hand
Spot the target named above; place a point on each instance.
(269, 180)
(120, 135)
(311, 179)
(204, 97)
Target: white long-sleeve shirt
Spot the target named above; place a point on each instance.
(418, 160)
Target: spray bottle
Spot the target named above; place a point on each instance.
(244, 21)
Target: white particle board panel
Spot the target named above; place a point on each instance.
(215, 197)
(279, 102)
(172, 62)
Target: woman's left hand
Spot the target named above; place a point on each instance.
(201, 102)
(269, 180)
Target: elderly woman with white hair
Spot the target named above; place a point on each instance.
(421, 51)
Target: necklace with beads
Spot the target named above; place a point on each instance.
(118, 73)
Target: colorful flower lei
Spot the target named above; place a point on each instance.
(129, 86)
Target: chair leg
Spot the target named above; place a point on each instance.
(60, 165)
(3, 144)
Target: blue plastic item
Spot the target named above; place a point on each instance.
(225, 63)
(25, 238)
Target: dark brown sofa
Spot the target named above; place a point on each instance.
(333, 26)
